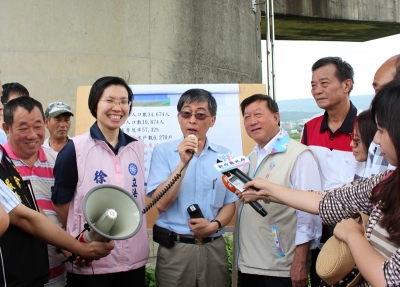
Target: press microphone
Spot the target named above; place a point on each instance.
(227, 184)
(238, 182)
(237, 178)
(195, 138)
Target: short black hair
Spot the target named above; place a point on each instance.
(397, 75)
(27, 103)
(98, 88)
(198, 95)
(271, 104)
(13, 88)
(344, 70)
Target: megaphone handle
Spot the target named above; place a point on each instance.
(72, 257)
(85, 227)
(169, 185)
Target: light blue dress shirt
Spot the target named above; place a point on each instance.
(202, 184)
(3, 137)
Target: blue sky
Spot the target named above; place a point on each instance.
(293, 61)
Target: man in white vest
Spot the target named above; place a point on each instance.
(274, 250)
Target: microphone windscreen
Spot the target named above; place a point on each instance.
(195, 138)
(227, 184)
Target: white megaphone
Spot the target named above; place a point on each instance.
(112, 213)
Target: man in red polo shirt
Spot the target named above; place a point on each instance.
(328, 134)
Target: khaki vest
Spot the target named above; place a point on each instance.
(266, 245)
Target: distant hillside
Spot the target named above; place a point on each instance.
(294, 110)
(296, 116)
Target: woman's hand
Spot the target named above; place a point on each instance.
(258, 183)
(250, 195)
(347, 228)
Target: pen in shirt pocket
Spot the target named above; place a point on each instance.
(214, 182)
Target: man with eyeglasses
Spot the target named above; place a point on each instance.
(58, 122)
(198, 256)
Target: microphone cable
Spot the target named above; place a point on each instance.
(166, 188)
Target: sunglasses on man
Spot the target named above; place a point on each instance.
(199, 116)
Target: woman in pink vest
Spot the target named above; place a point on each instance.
(104, 155)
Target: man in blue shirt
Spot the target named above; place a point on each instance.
(198, 257)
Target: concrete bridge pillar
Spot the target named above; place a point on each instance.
(52, 47)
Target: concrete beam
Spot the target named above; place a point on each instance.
(334, 20)
(52, 47)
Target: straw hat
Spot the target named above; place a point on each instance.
(334, 261)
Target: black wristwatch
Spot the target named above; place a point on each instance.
(219, 224)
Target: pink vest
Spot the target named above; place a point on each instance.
(97, 164)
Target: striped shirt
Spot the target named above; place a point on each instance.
(344, 202)
(42, 179)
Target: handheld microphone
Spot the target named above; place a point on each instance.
(196, 139)
(195, 211)
(243, 178)
(238, 178)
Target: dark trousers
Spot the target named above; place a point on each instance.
(133, 278)
(251, 280)
(327, 232)
(314, 278)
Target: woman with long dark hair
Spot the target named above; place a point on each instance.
(361, 138)
(377, 255)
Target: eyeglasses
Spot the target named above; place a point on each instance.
(199, 116)
(354, 140)
(122, 103)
